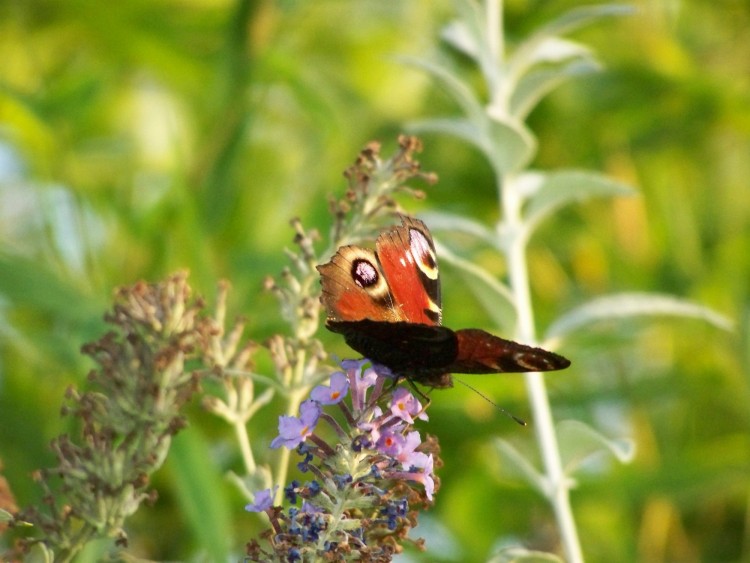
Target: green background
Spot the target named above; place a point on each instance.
(142, 137)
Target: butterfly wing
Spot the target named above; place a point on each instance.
(354, 288)
(397, 282)
(482, 352)
(403, 347)
(409, 262)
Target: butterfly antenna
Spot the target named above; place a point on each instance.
(498, 407)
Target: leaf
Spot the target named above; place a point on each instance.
(459, 35)
(202, 498)
(519, 466)
(549, 191)
(494, 296)
(579, 17)
(535, 84)
(94, 551)
(40, 553)
(442, 221)
(506, 146)
(523, 555)
(623, 305)
(579, 442)
(532, 50)
(455, 126)
(456, 88)
(31, 283)
(511, 145)
(5, 516)
(556, 50)
(469, 34)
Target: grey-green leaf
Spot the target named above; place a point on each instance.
(459, 90)
(443, 221)
(455, 126)
(519, 466)
(536, 84)
(533, 51)
(512, 145)
(523, 555)
(579, 442)
(578, 17)
(622, 305)
(550, 191)
(494, 296)
(459, 35)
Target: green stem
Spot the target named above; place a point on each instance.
(76, 545)
(240, 431)
(557, 490)
(513, 237)
(494, 12)
(297, 393)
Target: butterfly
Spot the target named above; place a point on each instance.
(386, 303)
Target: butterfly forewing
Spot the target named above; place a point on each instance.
(408, 261)
(354, 287)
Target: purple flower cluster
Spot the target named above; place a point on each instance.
(367, 484)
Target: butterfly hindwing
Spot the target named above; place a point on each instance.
(482, 352)
(404, 348)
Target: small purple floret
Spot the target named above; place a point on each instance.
(333, 393)
(292, 430)
(263, 500)
(404, 405)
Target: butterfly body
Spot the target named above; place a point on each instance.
(386, 303)
(429, 348)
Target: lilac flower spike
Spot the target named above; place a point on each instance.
(292, 430)
(333, 394)
(371, 473)
(263, 500)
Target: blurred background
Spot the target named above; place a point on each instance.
(146, 136)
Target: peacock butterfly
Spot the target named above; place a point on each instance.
(387, 305)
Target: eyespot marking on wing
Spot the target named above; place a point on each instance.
(364, 273)
(423, 254)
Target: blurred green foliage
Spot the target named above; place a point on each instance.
(142, 137)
